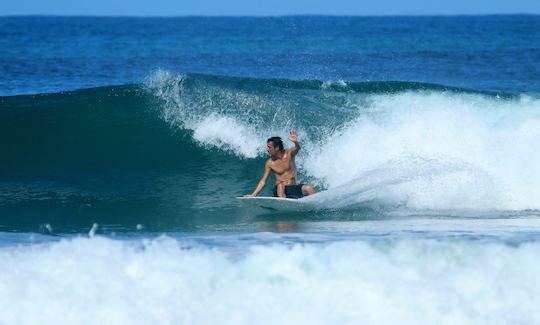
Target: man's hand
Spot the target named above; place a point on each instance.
(293, 136)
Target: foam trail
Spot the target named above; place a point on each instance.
(377, 188)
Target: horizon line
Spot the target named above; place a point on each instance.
(262, 16)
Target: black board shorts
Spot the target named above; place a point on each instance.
(291, 191)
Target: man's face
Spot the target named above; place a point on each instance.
(270, 148)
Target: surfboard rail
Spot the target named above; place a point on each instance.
(274, 203)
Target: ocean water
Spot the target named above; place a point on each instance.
(123, 142)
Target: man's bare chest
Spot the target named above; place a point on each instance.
(281, 166)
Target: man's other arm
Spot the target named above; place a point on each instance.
(262, 182)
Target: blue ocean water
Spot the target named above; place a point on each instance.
(47, 54)
(123, 142)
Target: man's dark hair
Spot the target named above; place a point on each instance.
(276, 141)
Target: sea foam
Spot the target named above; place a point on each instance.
(447, 150)
(167, 281)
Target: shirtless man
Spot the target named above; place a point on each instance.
(281, 162)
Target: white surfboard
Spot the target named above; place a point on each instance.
(276, 203)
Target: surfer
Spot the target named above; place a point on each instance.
(281, 162)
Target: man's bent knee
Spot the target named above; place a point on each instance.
(308, 189)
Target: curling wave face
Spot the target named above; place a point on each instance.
(188, 143)
(424, 147)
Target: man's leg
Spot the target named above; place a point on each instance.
(307, 189)
(280, 190)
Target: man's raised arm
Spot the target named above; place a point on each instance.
(262, 182)
(293, 137)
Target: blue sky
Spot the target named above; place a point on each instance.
(268, 7)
